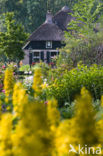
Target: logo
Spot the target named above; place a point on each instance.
(85, 150)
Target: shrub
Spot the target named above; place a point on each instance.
(67, 112)
(70, 83)
(25, 68)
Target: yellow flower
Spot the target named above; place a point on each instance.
(5, 135)
(19, 98)
(17, 87)
(0, 109)
(102, 101)
(53, 113)
(32, 135)
(8, 82)
(37, 82)
(44, 85)
(85, 122)
(62, 138)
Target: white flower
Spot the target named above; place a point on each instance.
(26, 72)
(28, 81)
(30, 72)
(45, 80)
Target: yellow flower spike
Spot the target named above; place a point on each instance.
(32, 135)
(84, 92)
(8, 83)
(102, 101)
(5, 135)
(64, 138)
(53, 113)
(85, 123)
(86, 95)
(19, 98)
(0, 109)
(99, 126)
(37, 82)
(81, 129)
(17, 87)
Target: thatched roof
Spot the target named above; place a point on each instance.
(62, 18)
(47, 32)
(53, 28)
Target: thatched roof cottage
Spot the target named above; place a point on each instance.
(44, 43)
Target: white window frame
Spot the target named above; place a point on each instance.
(47, 44)
(37, 57)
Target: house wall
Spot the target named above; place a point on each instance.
(42, 45)
(26, 57)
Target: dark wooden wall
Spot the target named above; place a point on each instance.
(42, 45)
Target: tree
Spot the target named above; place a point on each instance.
(12, 40)
(36, 11)
(31, 13)
(84, 36)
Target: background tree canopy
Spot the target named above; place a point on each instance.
(31, 13)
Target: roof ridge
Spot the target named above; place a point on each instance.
(69, 10)
(65, 8)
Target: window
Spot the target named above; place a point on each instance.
(36, 56)
(48, 44)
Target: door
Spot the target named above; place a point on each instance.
(42, 56)
(48, 57)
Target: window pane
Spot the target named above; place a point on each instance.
(49, 44)
(36, 53)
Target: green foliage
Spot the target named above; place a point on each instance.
(25, 68)
(31, 13)
(67, 111)
(68, 85)
(84, 38)
(85, 15)
(12, 40)
(45, 68)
